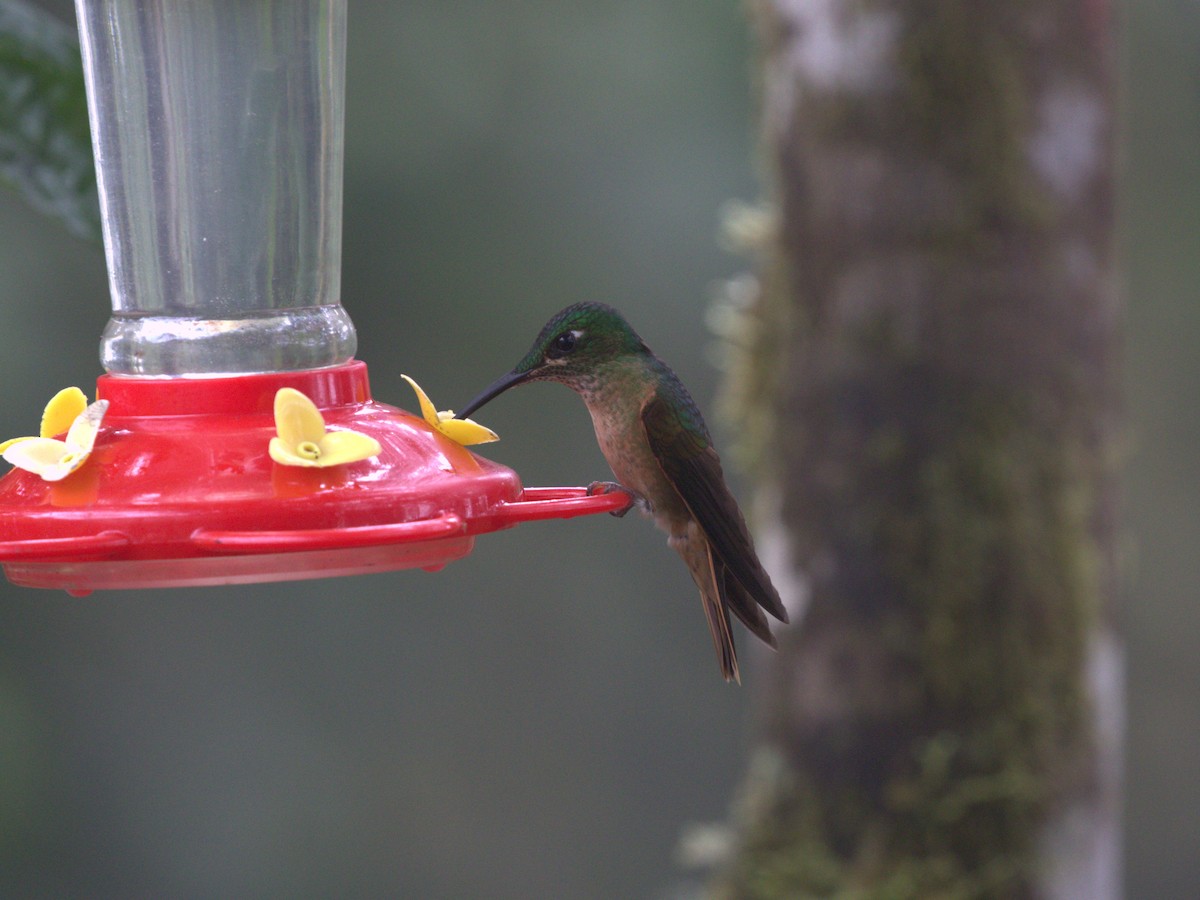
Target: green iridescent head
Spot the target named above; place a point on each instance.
(577, 339)
(569, 349)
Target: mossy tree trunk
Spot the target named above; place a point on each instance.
(934, 323)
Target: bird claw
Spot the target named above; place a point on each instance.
(612, 487)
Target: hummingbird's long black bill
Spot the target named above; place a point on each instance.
(497, 387)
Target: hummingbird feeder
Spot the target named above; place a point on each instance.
(217, 130)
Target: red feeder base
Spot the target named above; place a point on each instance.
(180, 491)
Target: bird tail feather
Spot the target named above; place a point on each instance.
(717, 613)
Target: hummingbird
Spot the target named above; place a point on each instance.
(656, 443)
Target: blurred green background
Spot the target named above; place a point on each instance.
(543, 718)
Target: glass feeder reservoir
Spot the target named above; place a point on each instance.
(217, 127)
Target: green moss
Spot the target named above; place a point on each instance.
(992, 561)
(782, 844)
(752, 320)
(965, 103)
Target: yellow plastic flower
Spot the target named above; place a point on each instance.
(461, 431)
(303, 441)
(52, 459)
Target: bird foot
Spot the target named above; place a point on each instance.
(612, 487)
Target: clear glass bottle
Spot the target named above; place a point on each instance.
(218, 132)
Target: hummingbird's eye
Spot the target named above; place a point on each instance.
(564, 343)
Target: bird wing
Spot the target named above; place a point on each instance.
(740, 601)
(680, 443)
